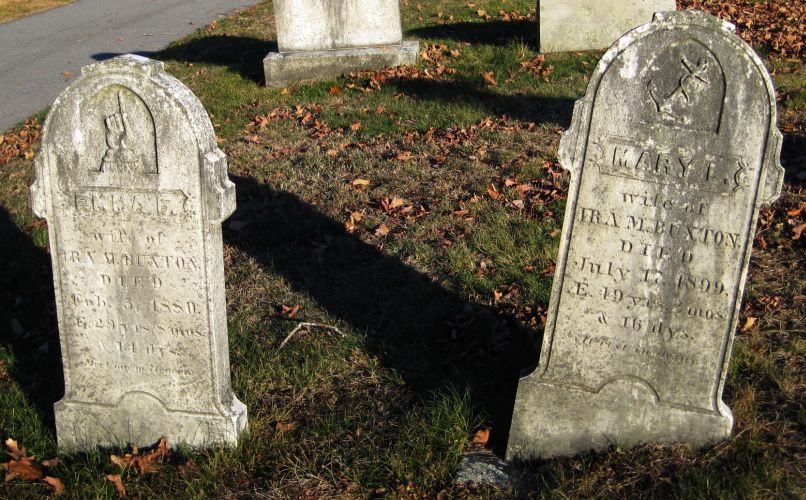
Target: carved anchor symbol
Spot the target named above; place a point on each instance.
(683, 91)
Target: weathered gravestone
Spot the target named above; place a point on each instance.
(319, 39)
(672, 151)
(567, 25)
(134, 189)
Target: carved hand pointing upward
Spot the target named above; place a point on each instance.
(118, 156)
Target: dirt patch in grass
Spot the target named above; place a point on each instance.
(15, 9)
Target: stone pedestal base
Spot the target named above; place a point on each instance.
(141, 419)
(286, 68)
(552, 420)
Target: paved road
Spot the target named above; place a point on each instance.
(38, 51)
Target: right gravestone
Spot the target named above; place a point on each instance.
(672, 152)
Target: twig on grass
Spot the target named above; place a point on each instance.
(307, 325)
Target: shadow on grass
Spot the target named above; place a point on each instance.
(525, 107)
(484, 33)
(429, 335)
(28, 325)
(243, 55)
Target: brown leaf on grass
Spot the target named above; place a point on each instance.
(797, 212)
(55, 483)
(404, 156)
(493, 192)
(489, 78)
(482, 436)
(24, 469)
(382, 230)
(748, 324)
(335, 90)
(355, 217)
(360, 183)
(13, 449)
(186, 467)
(355, 126)
(22, 466)
(143, 463)
(289, 312)
(118, 482)
(797, 231)
(390, 204)
(285, 426)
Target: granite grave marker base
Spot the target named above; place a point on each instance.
(134, 189)
(672, 152)
(286, 68)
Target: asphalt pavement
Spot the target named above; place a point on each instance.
(41, 54)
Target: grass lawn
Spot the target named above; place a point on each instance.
(438, 271)
(15, 9)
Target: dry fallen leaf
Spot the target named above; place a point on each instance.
(143, 463)
(285, 426)
(360, 182)
(493, 192)
(382, 230)
(748, 324)
(797, 231)
(482, 436)
(55, 483)
(22, 466)
(335, 90)
(118, 482)
(489, 78)
(289, 312)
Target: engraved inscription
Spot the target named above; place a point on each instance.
(703, 172)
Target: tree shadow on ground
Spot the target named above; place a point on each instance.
(242, 55)
(431, 336)
(484, 33)
(525, 107)
(28, 326)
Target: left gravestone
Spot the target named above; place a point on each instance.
(135, 189)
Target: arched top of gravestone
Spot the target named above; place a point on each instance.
(127, 124)
(633, 88)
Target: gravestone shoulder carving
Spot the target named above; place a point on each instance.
(672, 152)
(134, 189)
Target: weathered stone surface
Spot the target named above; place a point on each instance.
(319, 39)
(134, 189)
(282, 69)
(672, 152)
(567, 25)
(336, 24)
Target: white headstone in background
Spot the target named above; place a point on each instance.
(672, 152)
(568, 25)
(135, 189)
(320, 39)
